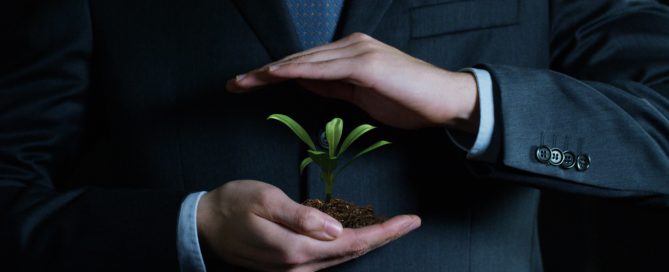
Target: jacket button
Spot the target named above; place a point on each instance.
(582, 162)
(569, 160)
(556, 157)
(543, 154)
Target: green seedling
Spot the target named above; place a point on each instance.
(328, 160)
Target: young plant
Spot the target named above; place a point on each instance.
(328, 161)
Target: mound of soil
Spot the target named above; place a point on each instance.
(349, 214)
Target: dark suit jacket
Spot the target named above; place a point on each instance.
(112, 111)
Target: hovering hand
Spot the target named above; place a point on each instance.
(255, 225)
(393, 87)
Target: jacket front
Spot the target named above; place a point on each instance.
(118, 109)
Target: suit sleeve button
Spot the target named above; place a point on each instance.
(582, 162)
(569, 160)
(543, 154)
(556, 157)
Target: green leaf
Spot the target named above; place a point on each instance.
(325, 162)
(354, 135)
(371, 148)
(333, 130)
(295, 127)
(367, 150)
(305, 163)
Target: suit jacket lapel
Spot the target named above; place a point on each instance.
(362, 16)
(271, 22)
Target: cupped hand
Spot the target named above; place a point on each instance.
(393, 87)
(255, 225)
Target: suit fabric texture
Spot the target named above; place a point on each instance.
(113, 111)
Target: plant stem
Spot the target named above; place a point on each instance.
(329, 181)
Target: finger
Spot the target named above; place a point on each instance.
(355, 38)
(301, 219)
(258, 77)
(336, 69)
(357, 245)
(324, 70)
(343, 42)
(350, 50)
(263, 70)
(310, 222)
(357, 242)
(252, 81)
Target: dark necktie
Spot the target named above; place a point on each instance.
(315, 20)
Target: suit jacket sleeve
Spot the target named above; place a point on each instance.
(607, 94)
(45, 53)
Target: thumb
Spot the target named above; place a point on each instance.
(304, 220)
(313, 223)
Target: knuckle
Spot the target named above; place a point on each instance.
(358, 248)
(291, 259)
(306, 217)
(372, 59)
(232, 184)
(367, 46)
(360, 36)
(372, 56)
(265, 195)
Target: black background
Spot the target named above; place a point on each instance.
(585, 234)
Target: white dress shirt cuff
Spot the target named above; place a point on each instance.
(188, 245)
(477, 150)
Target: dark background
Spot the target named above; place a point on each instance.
(586, 234)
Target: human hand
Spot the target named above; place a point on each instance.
(255, 225)
(393, 87)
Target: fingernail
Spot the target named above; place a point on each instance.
(240, 77)
(333, 228)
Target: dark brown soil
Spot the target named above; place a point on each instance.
(349, 214)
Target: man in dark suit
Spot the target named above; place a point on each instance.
(117, 115)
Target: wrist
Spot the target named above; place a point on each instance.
(202, 214)
(466, 115)
(204, 220)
